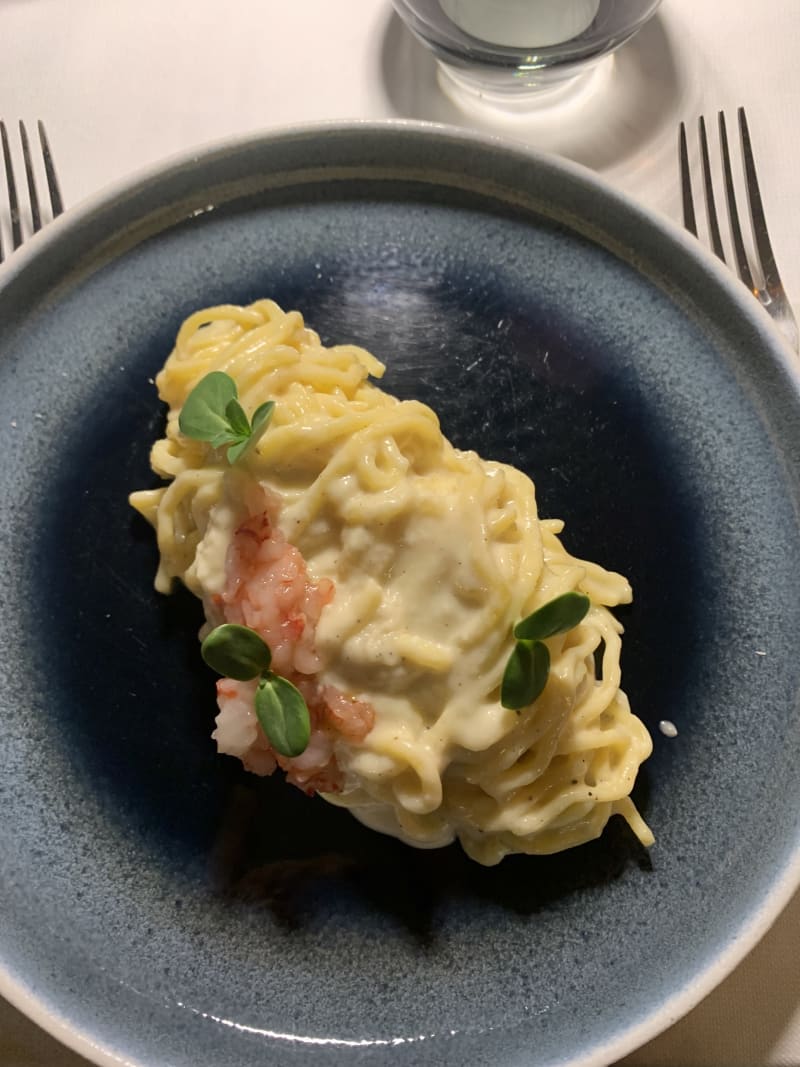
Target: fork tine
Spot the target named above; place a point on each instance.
(708, 185)
(742, 265)
(36, 217)
(689, 220)
(760, 234)
(11, 187)
(771, 295)
(56, 203)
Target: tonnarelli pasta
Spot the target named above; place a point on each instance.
(386, 570)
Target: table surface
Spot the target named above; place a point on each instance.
(122, 86)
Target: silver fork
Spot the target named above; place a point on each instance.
(36, 215)
(770, 293)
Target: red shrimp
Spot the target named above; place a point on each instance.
(268, 588)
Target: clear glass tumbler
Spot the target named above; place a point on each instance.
(506, 49)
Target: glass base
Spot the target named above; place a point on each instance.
(523, 75)
(517, 95)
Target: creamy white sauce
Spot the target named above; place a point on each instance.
(209, 561)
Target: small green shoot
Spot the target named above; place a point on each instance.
(528, 666)
(238, 652)
(283, 714)
(212, 413)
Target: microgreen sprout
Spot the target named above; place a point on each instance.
(238, 652)
(212, 413)
(528, 666)
(283, 714)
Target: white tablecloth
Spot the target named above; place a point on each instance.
(122, 84)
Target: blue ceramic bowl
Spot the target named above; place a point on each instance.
(161, 906)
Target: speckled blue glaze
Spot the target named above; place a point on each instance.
(168, 907)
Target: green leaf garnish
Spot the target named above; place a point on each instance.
(261, 417)
(238, 446)
(212, 413)
(283, 715)
(525, 675)
(528, 665)
(555, 617)
(235, 415)
(203, 414)
(236, 652)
